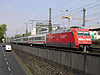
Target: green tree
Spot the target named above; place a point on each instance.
(2, 31)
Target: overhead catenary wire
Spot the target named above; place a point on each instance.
(88, 4)
(92, 7)
(60, 6)
(75, 10)
(93, 14)
(84, 6)
(76, 3)
(69, 4)
(72, 6)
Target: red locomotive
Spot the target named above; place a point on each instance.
(72, 38)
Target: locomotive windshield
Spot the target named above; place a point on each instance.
(83, 33)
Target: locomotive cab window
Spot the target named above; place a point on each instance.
(83, 33)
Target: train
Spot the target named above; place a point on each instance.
(74, 37)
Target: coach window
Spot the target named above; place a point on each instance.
(30, 39)
(33, 38)
(42, 38)
(26, 39)
(39, 38)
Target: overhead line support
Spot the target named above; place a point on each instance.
(50, 24)
(84, 10)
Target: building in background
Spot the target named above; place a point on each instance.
(56, 27)
(42, 27)
(33, 31)
(94, 35)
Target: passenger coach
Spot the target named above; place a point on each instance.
(37, 39)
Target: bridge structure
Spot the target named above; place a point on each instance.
(77, 62)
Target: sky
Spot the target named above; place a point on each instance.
(15, 13)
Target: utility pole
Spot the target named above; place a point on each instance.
(5, 37)
(50, 25)
(16, 31)
(68, 19)
(26, 28)
(84, 10)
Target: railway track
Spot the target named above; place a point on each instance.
(93, 50)
(96, 50)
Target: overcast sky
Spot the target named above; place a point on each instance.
(15, 13)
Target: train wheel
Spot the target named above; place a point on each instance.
(80, 49)
(31, 45)
(90, 48)
(44, 44)
(84, 49)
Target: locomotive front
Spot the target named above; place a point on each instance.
(84, 39)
